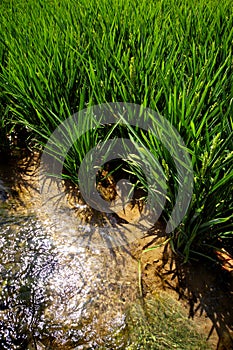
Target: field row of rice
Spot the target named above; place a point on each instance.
(174, 57)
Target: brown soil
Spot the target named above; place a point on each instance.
(205, 289)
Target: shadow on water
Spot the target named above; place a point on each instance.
(64, 285)
(56, 292)
(55, 296)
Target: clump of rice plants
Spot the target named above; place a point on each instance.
(58, 58)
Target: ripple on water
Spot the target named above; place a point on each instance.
(57, 292)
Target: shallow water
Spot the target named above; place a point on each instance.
(66, 284)
(56, 291)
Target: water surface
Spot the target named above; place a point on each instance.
(58, 291)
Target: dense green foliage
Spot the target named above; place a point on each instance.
(57, 58)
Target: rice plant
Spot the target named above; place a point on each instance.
(58, 58)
